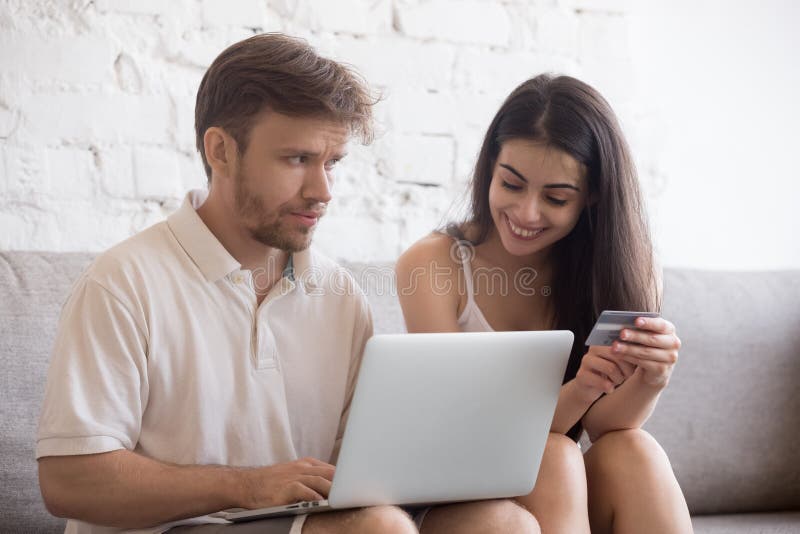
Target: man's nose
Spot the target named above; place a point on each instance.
(317, 185)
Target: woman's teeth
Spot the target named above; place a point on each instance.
(522, 232)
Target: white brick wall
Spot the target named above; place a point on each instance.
(97, 104)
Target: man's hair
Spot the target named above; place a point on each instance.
(283, 74)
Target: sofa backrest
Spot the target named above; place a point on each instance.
(33, 287)
(729, 420)
(730, 417)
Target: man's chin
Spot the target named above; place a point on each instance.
(284, 243)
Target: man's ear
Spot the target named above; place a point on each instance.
(221, 153)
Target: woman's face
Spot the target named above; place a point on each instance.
(536, 196)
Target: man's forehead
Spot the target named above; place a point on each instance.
(302, 124)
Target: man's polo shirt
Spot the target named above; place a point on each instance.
(162, 349)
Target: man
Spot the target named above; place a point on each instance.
(198, 360)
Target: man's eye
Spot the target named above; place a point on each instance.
(557, 201)
(511, 187)
(297, 160)
(330, 164)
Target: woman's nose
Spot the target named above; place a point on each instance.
(529, 212)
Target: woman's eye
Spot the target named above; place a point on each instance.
(557, 201)
(511, 187)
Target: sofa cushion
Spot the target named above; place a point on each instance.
(33, 286)
(730, 417)
(769, 523)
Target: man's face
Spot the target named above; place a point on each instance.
(282, 182)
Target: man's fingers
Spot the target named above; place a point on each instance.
(320, 485)
(297, 491)
(320, 471)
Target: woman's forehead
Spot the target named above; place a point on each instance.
(540, 160)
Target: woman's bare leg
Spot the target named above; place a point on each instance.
(559, 499)
(632, 487)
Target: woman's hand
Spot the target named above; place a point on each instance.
(652, 347)
(600, 372)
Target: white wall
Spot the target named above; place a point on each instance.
(96, 111)
(718, 85)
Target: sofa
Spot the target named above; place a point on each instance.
(729, 420)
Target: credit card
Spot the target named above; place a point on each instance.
(610, 323)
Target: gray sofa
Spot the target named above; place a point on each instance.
(730, 420)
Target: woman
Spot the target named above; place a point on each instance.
(556, 235)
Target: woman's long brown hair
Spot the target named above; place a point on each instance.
(606, 262)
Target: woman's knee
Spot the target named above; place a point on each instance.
(507, 516)
(563, 455)
(634, 448)
(390, 519)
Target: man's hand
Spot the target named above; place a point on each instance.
(307, 479)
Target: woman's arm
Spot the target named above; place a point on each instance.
(653, 349)
(428, 285)
(598, 373)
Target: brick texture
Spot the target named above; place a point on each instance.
(97, 104)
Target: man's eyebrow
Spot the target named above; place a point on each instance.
(547, 186)
(297, 151)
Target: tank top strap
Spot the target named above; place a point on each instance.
(465, 253)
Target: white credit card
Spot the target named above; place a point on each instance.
(610, 323)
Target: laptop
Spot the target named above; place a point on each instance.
(441, 418)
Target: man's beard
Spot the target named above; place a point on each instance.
(250, 208)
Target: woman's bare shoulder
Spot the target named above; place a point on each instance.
(436, 247)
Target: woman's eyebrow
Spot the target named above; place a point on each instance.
(547, 186)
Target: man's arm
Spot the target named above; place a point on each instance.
(127, 490)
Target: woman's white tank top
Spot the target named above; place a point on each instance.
(471, 318)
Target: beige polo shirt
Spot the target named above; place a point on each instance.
(161, 349)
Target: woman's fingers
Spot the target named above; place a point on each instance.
(627, 368)
(643, 352)
(607, 367)
(588, 378)
(650, 338)
(655, 373)
(656, 324)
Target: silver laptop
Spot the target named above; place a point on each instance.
(441, 418)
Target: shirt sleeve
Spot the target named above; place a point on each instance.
(361, 333)
(97, 381)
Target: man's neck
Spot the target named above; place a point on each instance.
(250, 253)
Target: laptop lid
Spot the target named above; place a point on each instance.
(449, 417)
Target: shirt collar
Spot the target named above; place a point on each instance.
(205, 250)
(213, 259)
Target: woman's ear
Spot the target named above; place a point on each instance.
(221, 151)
